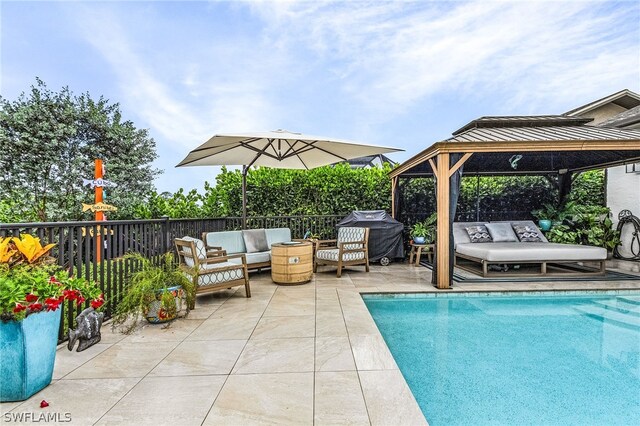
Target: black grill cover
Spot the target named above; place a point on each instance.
(385, 233)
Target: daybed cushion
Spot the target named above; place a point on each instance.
(521, 252)
(460, 234)
(527, 234)
(528, 223)
(277, 235)
(478, 234)
(255, 240)
(502, 233)
(231, 241)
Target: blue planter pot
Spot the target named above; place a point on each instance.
(27, 354)
(544, 224)
(419, 240)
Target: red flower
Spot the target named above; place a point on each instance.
(52, 304)
(53, 279)
(44, 404)
(19, 308)
(95, 304)
(71, 294)
(31, 297)
(80, 300)
(35, 307)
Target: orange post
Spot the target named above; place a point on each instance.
(99, 215)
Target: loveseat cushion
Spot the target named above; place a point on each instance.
(253, 258)
(231, 241)
(478, 234)
(502, 233)
(277, 235)
(525, 222)
(255, 240)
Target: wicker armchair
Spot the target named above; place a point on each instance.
(211, 270)
(350, 249)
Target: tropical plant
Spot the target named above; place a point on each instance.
(147, 284)
(30, 282)
(588, 225)
(426, 229)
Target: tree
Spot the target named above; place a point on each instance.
(48, 143)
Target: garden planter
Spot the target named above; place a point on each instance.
(419, 240)
(27, 354)
(544, 224)
(156, 314)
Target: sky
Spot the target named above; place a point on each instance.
(392, 73)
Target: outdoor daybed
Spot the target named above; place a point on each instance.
(482, 247)
(255, 244)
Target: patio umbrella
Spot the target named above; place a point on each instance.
(279, 149)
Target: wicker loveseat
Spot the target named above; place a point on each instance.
(506, 250)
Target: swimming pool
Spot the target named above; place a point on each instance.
(512, 358)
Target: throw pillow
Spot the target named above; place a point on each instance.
(527, 234)
(255, 240)
(502, 233)
(478, 234)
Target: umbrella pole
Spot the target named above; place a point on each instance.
(244, 196)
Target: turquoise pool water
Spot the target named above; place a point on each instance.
(561, 359)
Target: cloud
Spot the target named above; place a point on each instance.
(392, 55)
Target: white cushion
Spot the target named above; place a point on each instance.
(206, 278)
(521, 252)
(201, 251)
(501, 232)
(332, 254)
(252, 258)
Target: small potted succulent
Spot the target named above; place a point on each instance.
(32, 290)
(425, 232)
(154, 291)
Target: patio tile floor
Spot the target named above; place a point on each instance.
(302, 355)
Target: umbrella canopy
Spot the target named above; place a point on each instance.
(277, 149)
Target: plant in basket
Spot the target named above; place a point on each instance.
(32, 291)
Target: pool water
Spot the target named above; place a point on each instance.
(562, 359)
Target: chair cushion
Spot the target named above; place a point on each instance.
(332, 254)
(201, 251)
(501, 232)
(521, 252)
(231, 241)
(208, 276)
(255, 240)
(278, 235)
(478, 234)
(527, 234)
(351, 233)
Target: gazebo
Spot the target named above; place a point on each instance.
(554, 145)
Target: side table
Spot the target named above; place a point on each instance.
(291, 263)
(417, 250)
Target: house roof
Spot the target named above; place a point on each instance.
(624, 98)
(624, 119)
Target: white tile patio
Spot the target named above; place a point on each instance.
(302, 355)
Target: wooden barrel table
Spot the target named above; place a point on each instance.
(291, 264)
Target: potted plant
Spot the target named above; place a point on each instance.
(425, 232)
(154, 291)
(32, 289)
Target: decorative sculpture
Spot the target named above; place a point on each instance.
(87, 331)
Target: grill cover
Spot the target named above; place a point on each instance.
(385, 233)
